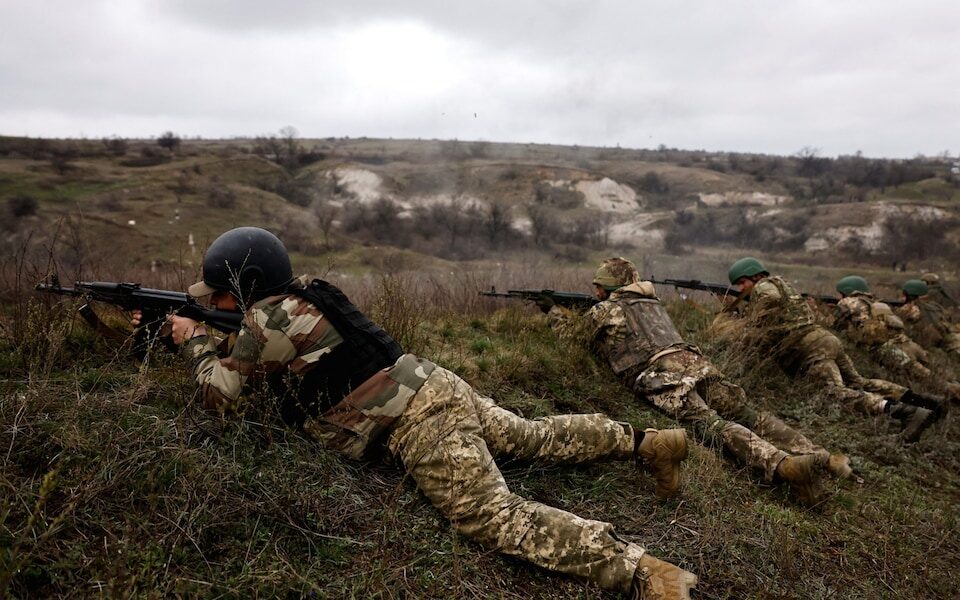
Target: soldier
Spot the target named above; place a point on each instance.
(778, 321)
(936, 293)
(926, 320)
(872, 325)
(347, 385)
(630, 329)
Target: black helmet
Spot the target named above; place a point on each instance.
(249, 262)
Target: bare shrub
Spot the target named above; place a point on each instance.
(149, 157)
(653, 183)
(110, 203)
(61, 158)
(497, 222)
(22, 206)
(544, 226)
(219, 195)
(169, 141)
(913, 237)
(326, 215)
(115, 146)
(558, 196)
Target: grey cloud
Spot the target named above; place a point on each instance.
(748, 75)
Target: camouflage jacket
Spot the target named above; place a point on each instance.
(777, 314)
(936, 293)
(926, 322)
(286, 334)
(629, 330)
(867, 321)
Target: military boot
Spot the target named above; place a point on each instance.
(936, 404)
(662, 451)
(838, 465)
(659, 580)
(804, 476)
(914, 419)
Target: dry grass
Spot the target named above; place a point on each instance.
(116, 484)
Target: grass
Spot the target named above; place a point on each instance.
(116, 483)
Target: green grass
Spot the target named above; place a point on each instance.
(147, 495)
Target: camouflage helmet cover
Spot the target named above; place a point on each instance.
(745, 267)
(851, 284)
(614, 273)
(930, 278)
(915, 287)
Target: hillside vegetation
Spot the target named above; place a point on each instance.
(117, 484)
(358, 204)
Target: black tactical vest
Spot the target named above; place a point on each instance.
(366, 349)
(650, 330)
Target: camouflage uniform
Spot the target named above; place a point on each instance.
(872, 324)
(927, 323)
(445, 434)
(939, 295)
(936, 293)
(781, 322)
(651, 358)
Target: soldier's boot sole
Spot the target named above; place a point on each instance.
(659, 580)
(663, 451)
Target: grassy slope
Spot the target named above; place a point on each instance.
(116, 484)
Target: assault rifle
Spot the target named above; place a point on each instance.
(571, 300)
(722, 289)
(154, 304)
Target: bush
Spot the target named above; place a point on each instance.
(653, 183)
(220, 196)
(22, 206)
(115, 146)
(169, 141)
(914, 237)
(561, 197)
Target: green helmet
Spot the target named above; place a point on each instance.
(851, 284)
(746, 267)
(615, 273)
(915, 287)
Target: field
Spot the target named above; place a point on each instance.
(117, 484)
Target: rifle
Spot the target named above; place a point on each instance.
(721, 289)
(154, 304)
(571, 300)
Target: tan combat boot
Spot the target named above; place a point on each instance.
(662, 451)
(659, 580)
(839, 466)
(803, 475)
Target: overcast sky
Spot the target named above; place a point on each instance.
(759, 76)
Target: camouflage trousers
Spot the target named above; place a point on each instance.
(693, 391)
(902, 355)
(951, 343)
(447, 439)
(819, 355)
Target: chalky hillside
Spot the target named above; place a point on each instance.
(116, 484)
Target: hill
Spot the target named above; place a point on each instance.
(400, 204)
